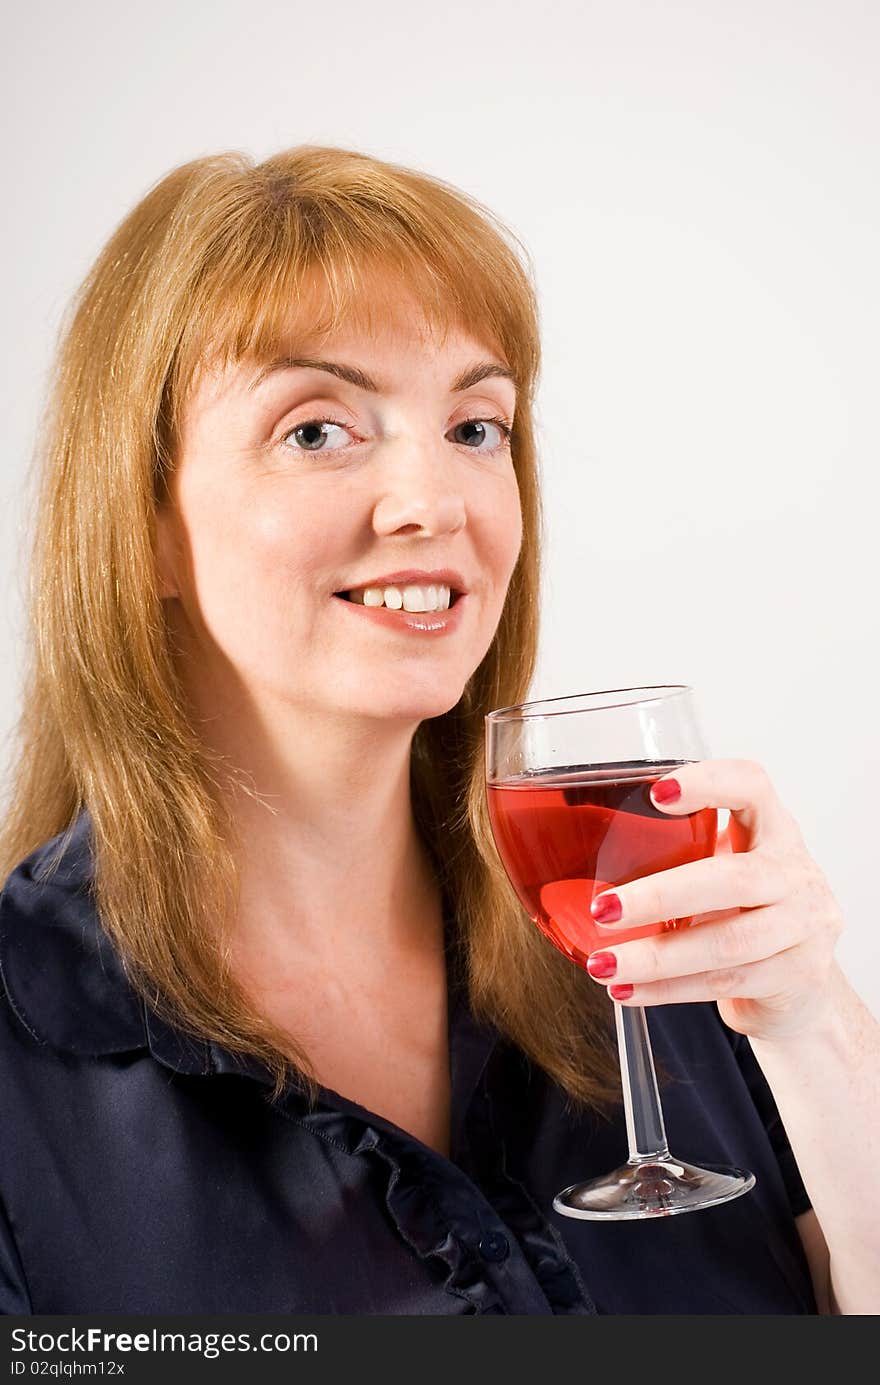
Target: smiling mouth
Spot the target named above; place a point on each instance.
(453, 598)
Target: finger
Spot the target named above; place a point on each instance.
(744, 786)
(745, 880)
(735, 940)
(786, 974)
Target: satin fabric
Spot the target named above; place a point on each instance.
(143, 1171)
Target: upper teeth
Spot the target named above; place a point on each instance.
(410, 598)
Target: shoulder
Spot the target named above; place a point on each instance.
(60, 975)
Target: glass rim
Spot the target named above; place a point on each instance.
(523, 711)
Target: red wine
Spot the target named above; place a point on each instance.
(565, 835)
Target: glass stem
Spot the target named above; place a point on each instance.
(641, 1099)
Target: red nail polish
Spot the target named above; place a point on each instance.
(620, 992)
(667, 791)
(608, 909)
(602, 965)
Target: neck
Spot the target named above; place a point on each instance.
(331, 864)
(335, 864)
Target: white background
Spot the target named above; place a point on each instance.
(697, 185)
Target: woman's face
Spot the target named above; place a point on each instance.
(295, 486)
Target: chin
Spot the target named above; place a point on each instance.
(414, 706)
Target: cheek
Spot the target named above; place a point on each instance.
(515, 529)
(497, 530)
(254, 562)
(287, 540)
(504, 530)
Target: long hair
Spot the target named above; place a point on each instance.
(211, 261)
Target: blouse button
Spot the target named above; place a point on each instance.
(495, 1246)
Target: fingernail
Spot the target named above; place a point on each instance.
(667, 791)
(620, 992)
(607, 908)
(602, 965)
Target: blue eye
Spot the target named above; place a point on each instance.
(313, 426)
(312, 438)
(501, 424)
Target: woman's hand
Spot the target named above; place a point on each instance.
(765, 919)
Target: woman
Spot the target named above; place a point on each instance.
(276, 1033)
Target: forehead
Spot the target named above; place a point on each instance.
(380, 358)
(383, 318)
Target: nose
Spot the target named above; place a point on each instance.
(421, 490)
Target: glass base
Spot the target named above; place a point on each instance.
(654, 1188)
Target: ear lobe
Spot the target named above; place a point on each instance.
(166, 553)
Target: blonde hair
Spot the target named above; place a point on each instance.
(210, 262)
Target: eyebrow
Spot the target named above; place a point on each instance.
(484, 370)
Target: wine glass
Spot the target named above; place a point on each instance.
(568, 783)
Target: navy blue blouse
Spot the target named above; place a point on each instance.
(144, 1172)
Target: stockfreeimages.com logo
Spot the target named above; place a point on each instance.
(208, 1344)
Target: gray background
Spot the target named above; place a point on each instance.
(697, 185)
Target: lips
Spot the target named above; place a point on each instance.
(412, 577)
(453, 594)
(418, 625)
